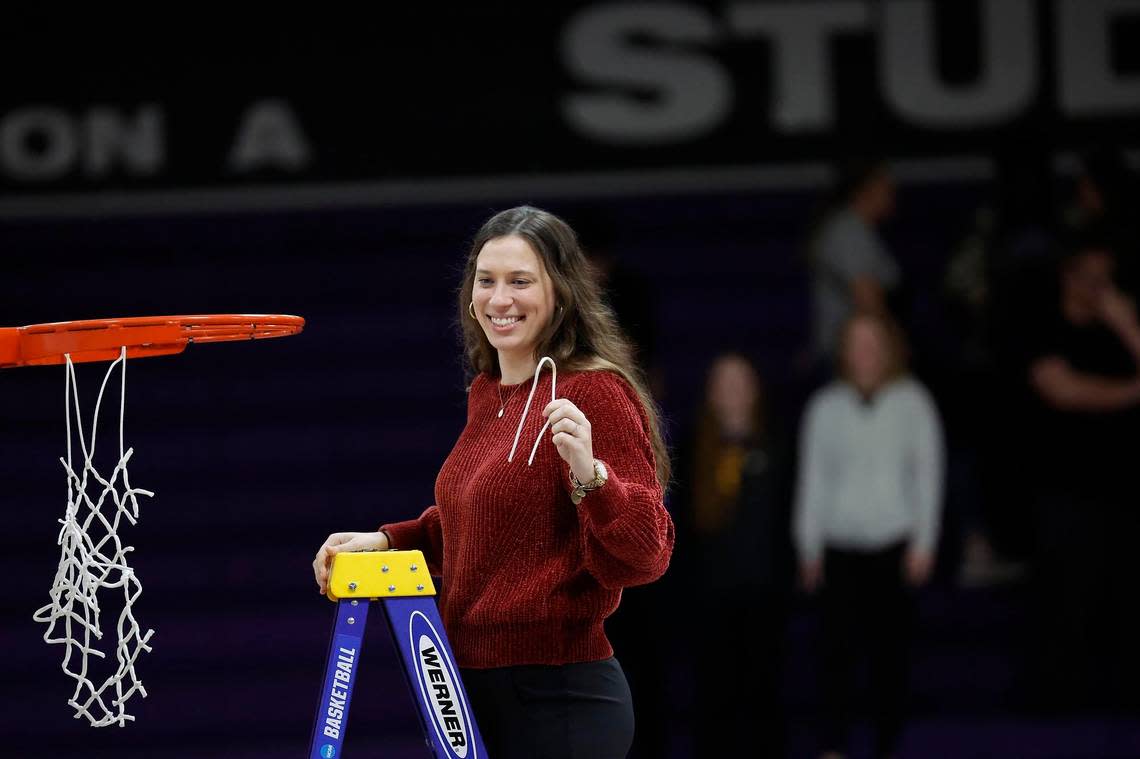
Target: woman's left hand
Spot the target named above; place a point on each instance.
(572, 437)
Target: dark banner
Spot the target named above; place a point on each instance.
(445, 93)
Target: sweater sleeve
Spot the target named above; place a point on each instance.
(424, 534)
(626, 534)
(929, 465)
(807, 522)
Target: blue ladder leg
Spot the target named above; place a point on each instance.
(340, 677)
(433, 677)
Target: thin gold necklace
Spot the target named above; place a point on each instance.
(502, 403)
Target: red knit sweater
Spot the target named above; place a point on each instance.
(528, 577)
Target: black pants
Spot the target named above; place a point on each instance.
(867, 610)
(1087, 623)
(570, 711)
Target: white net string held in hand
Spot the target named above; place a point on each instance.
(526, 408)
(93, 557)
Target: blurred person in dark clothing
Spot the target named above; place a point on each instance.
(1084, 369)
(852, 269)
(1106, 195)
(737, 560)
(866, 522)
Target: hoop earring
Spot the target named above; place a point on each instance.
(471, 310)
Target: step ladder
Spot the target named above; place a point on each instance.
(400, 582)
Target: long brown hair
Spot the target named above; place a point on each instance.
(583, 334)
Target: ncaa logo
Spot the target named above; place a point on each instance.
(328, 751)
(440, 688)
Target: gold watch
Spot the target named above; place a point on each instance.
(581, 488)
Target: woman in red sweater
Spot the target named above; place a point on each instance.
(550, 502)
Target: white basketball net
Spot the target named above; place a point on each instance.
(93, 557)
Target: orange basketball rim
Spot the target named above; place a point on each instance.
(104, 339)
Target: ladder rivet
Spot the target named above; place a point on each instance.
(391, 588)
(352, 620)
(384, 568)
(414, 567)
(352, 586)
(419, 587)
(355, 602)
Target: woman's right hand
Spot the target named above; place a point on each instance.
(344, 541)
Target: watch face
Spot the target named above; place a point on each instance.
(600, 475)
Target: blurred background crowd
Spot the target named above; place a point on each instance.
(993, 466)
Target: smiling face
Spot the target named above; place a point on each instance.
(513, 296)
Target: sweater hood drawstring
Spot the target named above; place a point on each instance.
(526, 408)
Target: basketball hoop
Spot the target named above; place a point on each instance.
(92, 554)
(102, 339)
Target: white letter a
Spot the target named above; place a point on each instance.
(269, 137)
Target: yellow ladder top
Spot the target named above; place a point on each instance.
(379, 574)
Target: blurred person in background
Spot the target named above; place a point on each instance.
(852, 270)
(866, 521)
(1105, 195)
(736, 559)
(1083, 367)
